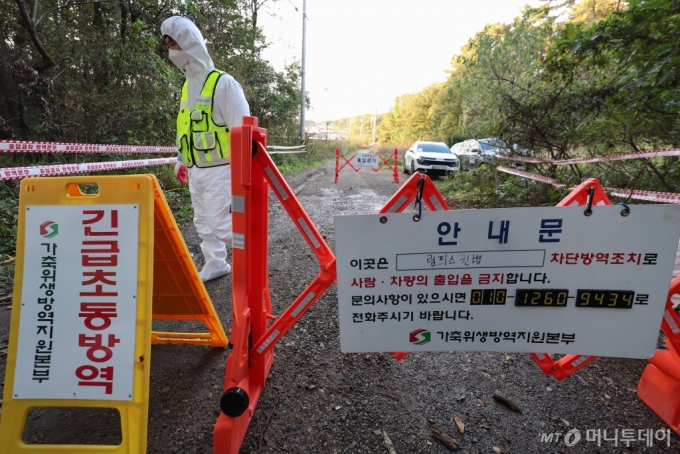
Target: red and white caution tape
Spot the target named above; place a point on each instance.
(17, 173)
(530, 176)
(650, 196)
(528, 159)
(16, 146)
(276, 149)
(618, 157)
(621, 157)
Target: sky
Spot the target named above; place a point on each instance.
(362, 54)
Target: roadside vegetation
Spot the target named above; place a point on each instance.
(97, 72)
(564, 80)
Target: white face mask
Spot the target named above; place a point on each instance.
(179, 58)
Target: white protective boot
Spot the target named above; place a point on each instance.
(216, 265)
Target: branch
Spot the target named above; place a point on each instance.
(47, 61)
(66, 5)
(35, 10)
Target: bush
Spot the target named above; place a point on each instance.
(486, 187)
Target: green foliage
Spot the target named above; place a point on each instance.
(358, 128)
(637, 48)
(112, 82)
(179, 201)
(9, 214)
(605, 82)
(487, 188)
(318, 152)
(411, 118)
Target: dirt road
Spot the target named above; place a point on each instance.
(318, 400)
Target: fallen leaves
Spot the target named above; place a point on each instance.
(507, 402)
(459, 424)
(442, 438)
(388, 443)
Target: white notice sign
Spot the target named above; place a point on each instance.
(78, 303)
(548, 280)
(367, 160)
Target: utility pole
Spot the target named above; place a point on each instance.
(375, 119)
(302, 79)
(361, 127)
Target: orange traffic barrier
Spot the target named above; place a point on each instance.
(579, 196)
(419, 188)
(178, 292)
(252, 339)
(569, 364)
(659, 386)
(670, 324)
(384, 162)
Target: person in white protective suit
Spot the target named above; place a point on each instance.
(212, 103)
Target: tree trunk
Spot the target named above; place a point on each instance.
(47, 60)
(12, 124)
(124, 13)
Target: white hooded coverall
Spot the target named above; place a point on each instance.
(209, 184)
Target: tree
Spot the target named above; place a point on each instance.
(411, 118)
(97, 71)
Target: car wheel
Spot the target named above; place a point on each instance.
(404, 169)
(413, 167)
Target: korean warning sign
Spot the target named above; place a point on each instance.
(367, 160)
(524, 279)
(78, 307)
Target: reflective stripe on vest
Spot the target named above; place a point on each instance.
(201, 141)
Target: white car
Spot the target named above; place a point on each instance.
(430, 157)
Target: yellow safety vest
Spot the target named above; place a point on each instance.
(201, 141)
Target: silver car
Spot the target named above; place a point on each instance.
(476, 152)
(431, 157)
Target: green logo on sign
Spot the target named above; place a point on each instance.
(419, 337)
(49, 229)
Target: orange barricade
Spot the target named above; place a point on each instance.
(663, 360)
(419, 188)
(178, 292)
(659, 386)
(569, 364)
(248, 365)
(385, 162)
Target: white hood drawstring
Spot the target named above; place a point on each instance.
(193, 60)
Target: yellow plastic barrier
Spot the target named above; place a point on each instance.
(58, 199)
(92, 271)
(178, 292)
